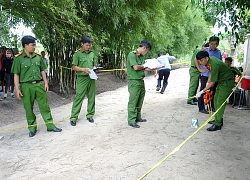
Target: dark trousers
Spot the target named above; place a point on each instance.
(163, 75)
(202, 86)
(9, 81)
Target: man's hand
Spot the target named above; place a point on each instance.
(203, 70)
(18, 94)
(46, 87)
(87, 70)
(199, 94)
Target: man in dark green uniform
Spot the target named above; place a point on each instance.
(194, 73)
(28, 68)
(135, 71)
(83, 63)
(235, 71)
(237, 75)
(220, 73)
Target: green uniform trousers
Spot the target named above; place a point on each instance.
(223, 90)
(193, 83)
(136, 89)
(32, 92)
(84, 86)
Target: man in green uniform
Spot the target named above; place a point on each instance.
(28, 68)
(220, 73)
(135, 71)
(83, 63)
(235, 71)
(237, 75)
(194, 73)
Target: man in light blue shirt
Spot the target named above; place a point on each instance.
(212, 49)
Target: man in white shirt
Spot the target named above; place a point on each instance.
(164, 72)
(46, 62)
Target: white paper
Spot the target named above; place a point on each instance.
(92, 74)
(153, 63)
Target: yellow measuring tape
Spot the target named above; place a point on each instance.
(109, 70)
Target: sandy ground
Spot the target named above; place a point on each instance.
(109, 149)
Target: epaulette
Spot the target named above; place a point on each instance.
(81, 50)
(37, 53)
(19, 54)
(136, 53)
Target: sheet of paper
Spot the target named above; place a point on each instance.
(153, 63)
(92, 74)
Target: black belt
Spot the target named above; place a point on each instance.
(34, 82)
(83, 75)
(194, 67)
(136, 79)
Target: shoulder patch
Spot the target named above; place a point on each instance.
(37, 53)
(79, 50)
(209, 67)
(136, 53)
(19, 54)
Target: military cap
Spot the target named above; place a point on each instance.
(86, 39)
(28, 39)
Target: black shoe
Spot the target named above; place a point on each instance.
(214, 128)
(158, 88)
(212, 122)
(90, 119)
(141, 120)
(31, 134)
(203, 111)
(161, 92)
(192, 103)
(73, 123)
(134, 125)
(55, 130)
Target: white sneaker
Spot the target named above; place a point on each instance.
(5, 96)
(12, 95)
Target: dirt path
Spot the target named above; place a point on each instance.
(110, 149)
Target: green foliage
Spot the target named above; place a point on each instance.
(7, 38)
(116, 26)
(240, 57)
(232, 14)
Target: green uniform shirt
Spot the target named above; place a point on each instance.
(84, 59)
(235, 71)
(132, 60)
(219, 71)
(194, 57)
(28, 68)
